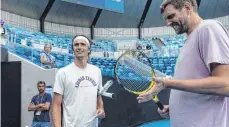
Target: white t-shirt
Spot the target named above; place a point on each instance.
(79, 89)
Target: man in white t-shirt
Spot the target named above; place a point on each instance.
(76, 87)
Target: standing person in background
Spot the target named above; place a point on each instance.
(40, 104)
(201, 79)
(47, 60)
(2, 28)
(76, 88)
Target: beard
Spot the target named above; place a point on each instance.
(41, 91)
(180, 27)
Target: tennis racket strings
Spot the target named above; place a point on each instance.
(134, 71)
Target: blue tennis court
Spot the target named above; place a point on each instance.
(161, 123)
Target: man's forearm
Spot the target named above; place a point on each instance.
(33, 107)
(100, 102)
(56, 115)
(210, 85)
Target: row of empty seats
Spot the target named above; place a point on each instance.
(163, 64)
(64, 42)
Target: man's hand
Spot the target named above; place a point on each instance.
(100, 112)
(158, 86)
(41, 105)
(165, 112)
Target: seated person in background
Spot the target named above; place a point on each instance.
(2, 28)
(40, 104)
(3, 34)
(47, 60)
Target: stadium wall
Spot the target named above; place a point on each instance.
(60, 29)
(20, 21)
(116, 33)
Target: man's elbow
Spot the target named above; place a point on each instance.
(56, 107)
(223, 91)
(30, 109)
(226, 91)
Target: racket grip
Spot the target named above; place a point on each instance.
(160, 106)
(110, 95)
(106, 86)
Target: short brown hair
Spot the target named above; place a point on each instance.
(41, 82)
(178, 4)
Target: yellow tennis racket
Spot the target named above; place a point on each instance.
(134, 71)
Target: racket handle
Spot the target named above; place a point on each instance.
(110, 95)
(106, 86)
(160, 106)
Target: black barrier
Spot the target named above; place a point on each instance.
(10, 94)
(125, 111)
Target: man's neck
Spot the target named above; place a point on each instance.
(194, 24)
(41, 94)
(81, 63)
